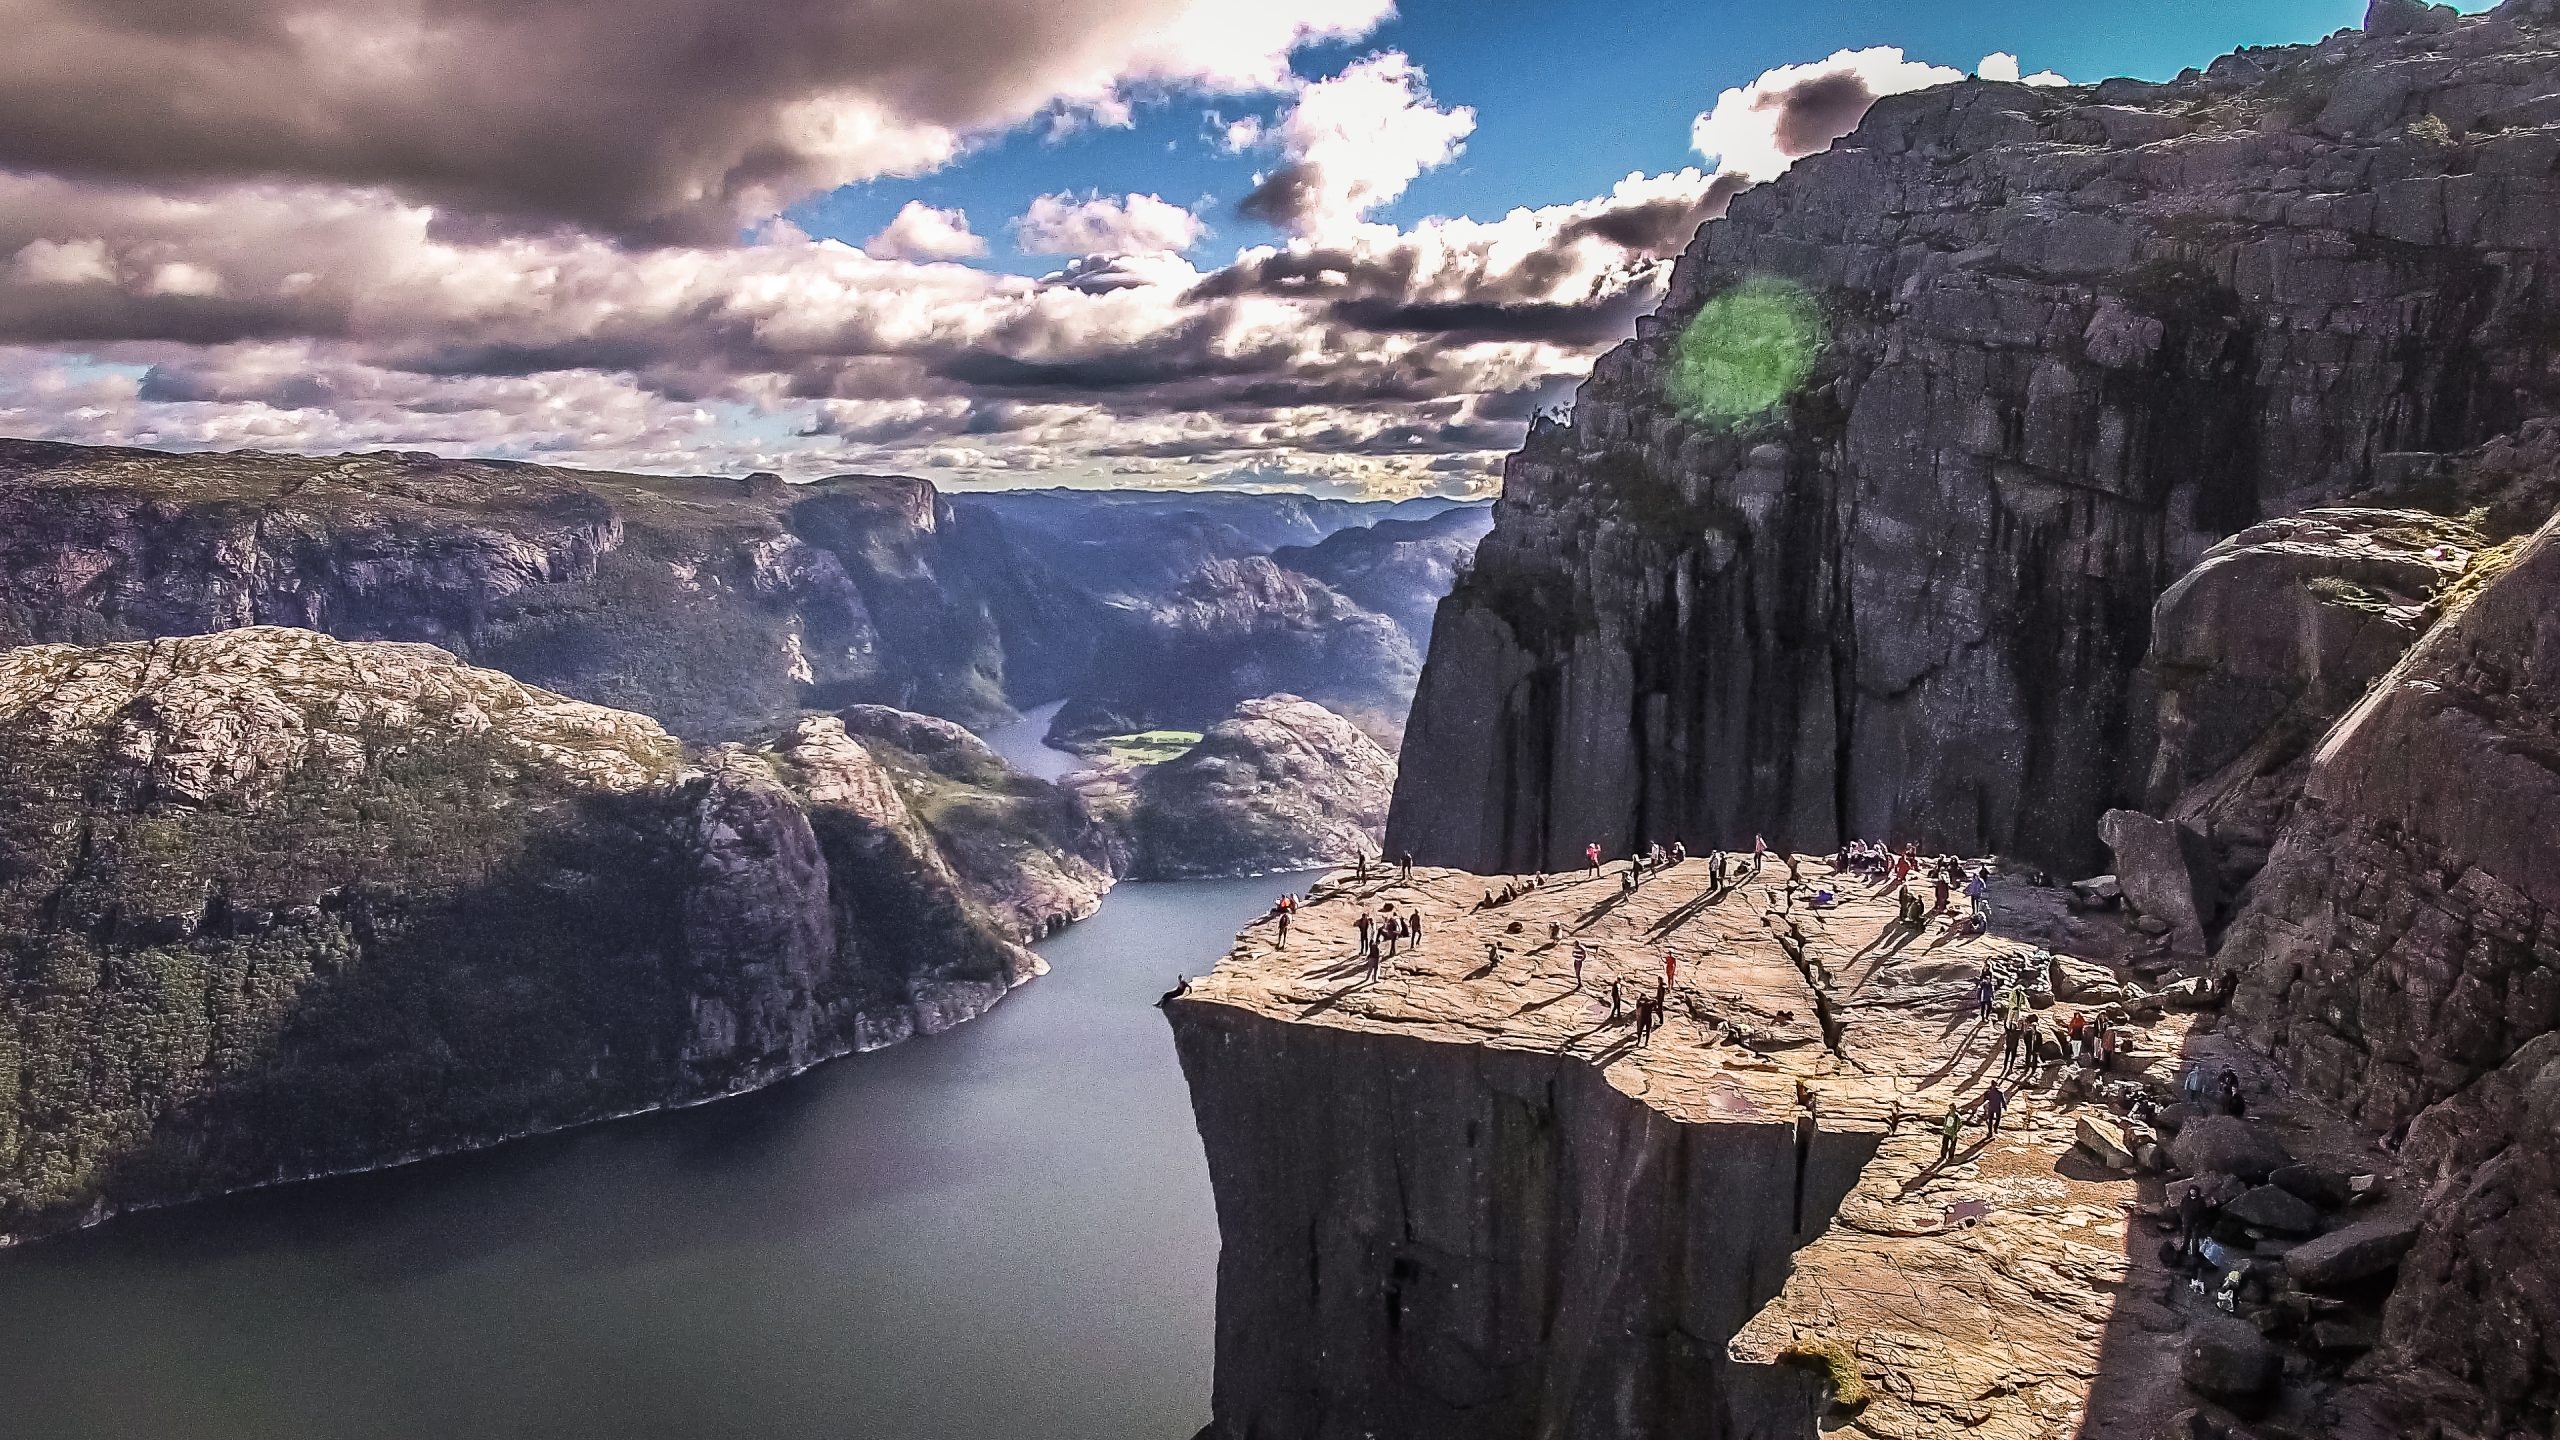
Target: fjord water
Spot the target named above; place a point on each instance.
(999, 1232)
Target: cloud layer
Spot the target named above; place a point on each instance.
(415, 245)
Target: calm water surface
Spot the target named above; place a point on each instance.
(1023, 746)
(1002, 1233)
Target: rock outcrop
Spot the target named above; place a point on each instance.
(716, 606)
(1462, 1199)
(2400, 953)
(1028, 852)
(1400, 568)
(275, 905)
(1234, 631)
(2049, 347)
(1281, 784)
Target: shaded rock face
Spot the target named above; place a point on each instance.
(1427, 1240)
(1399, 568)
(1282, 784)
(1238, 630)
(1029, 853)
(275, 905)
(2073, 338)
(2401, 954)
(2265, 643)
(715, 606)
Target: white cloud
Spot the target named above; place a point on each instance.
(63, 262)
(1793, 111)
(922, 232)
(2001, 65)
(1354, 142)
(1062, 224)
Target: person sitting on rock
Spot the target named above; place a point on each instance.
(1679, 853)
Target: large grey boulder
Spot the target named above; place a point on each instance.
(2229, 1145)
(2351, 1252)
(2228, 1360)
(2166, 872)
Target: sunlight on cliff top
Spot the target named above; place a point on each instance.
(1745, 351)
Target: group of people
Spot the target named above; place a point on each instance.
(1381, 932)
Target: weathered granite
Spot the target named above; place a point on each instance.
(275, 905)
(2401, 954)
(2074, 338)
(1281, 784)
(1459, 1201)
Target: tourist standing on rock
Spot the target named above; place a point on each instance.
(1280, 915)
(2233, 1103)
(1404, 868)
(1995, 1103)
(1581, 953)
(1978, 894)
(1413, 928)
(1591, 853)
(2193, 1085)
(1759, 852)
(1617, 998)
(1938, 894)
(1950, 1130)
(1365, 927)
(2013, 1036)
(1369, 952)
(1670, 968)
(1360, 865)
(1983, 993)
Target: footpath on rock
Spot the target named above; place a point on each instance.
(2037, 1281)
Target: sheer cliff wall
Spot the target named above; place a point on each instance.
(2069, 339)
(1425, 1239)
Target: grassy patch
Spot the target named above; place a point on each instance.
(1148, 747)
(1838, 1362)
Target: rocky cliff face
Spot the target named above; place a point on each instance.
(2057, 345)
(1281, 784)
(716, 606)
(1237, 630)
(274, 905)
(1400, 568)
(2401, 954)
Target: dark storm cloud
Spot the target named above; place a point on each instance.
(652, 119)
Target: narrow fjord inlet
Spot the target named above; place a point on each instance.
(999, 1232)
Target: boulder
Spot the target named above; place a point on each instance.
(2080, 980)
(2267, 1207)
(2098, 892)
(2105, 1140)
(2228, 1144)
(2227, 1359)
(2166, 871)
(2321, 1186)
(2352, 1253)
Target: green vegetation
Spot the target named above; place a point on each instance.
(1745, 352)
(2346, 594)
(439, 946)
(1838, 1363)
(2486, 564)
(1148, 747)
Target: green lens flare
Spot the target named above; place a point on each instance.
(1746, 351)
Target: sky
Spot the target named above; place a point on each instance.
(1348, 245)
